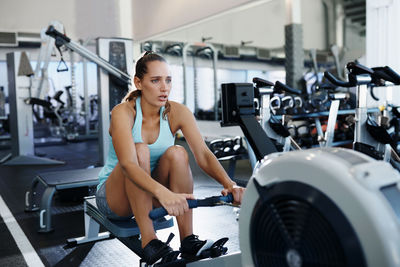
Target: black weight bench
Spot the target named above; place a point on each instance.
(126, 231)
(53, 181)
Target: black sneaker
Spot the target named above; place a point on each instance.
(192, 246)
(155, 250)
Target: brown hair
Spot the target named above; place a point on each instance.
(140, 71)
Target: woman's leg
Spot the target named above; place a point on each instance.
(173, 171)
(125, 198)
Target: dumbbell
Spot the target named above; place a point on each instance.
(228, 147)
(238, 147)
(217, 147)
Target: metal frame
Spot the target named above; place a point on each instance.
(45, 222)
(361, 135)
(21, 118)
(46, 48)
(61, 39)
(127, 231)
(52, 182)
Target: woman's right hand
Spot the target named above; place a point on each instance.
(175, 203)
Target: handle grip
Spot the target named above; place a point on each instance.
(262, 83)
(394, 75)
(335, 81)
(387, 74)
(193, 203)
(51, 31)
(358, 69)
(280, 87)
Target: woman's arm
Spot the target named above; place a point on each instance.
(122, 121)
(204, 157)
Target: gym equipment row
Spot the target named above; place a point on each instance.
(371, 137)
(298, 210)
(370, 134)
(310, 128)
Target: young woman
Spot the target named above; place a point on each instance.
(144, 168)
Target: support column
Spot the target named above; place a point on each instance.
(383, 40)
(383, 22)
(126, 20)
(294, 51)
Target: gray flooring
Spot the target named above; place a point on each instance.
(212, 130)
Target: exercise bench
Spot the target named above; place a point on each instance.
(127, 231)
(53, 181)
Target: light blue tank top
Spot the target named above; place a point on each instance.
(157, 149)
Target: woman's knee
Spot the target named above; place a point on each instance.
(143, 154)
(177, 154)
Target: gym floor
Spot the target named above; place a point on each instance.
(211, 223)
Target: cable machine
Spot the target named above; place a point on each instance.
(113, 80)
(21, 116)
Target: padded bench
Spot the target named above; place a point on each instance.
(127, 231)
(53, 181)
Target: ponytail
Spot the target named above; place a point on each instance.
(132, 95)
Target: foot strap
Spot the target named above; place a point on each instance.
(156, 250)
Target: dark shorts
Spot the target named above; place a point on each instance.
(103, 207)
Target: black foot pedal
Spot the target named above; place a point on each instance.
(170, 257)
(217, 249)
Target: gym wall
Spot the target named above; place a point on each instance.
(263, 24)
(81, 19)
(259, 21)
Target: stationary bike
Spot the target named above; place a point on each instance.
(370, 137)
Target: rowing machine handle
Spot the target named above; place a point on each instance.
(158, 213)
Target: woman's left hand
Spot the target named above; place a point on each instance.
(237, 192)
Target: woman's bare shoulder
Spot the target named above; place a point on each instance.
(124, 111)
(177, 115)
(179, 112)
(123, 115)
(177, 107)
(124, 108)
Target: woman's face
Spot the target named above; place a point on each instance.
(156, 83)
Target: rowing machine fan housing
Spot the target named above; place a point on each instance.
(321, 207)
